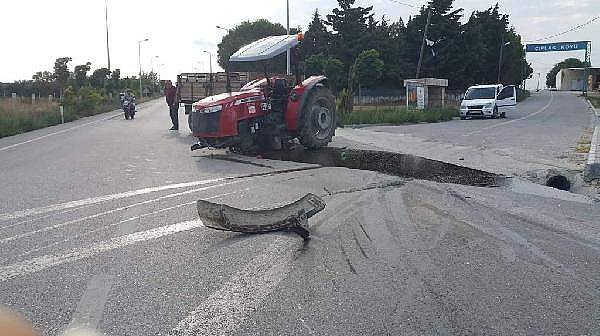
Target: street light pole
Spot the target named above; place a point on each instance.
(538, 85)
(152, 62)
(106, 23)
(140, 61)
(288, 70)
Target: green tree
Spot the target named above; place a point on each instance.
(99, 77)
(316, 39)
(61, 71)
(567, 63)
(244, 33)
(116, 74)
(43, 76)
(368, 68)
(485, 33)
(351, 27)
(442, 59)
(80, 74)
(331, 67)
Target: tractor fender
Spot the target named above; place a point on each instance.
(296, 108)
(309, 85)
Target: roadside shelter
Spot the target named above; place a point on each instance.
(425, 93)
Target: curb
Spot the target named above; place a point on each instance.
(592, 166)
(596, 111)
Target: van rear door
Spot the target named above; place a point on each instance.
(507, 100)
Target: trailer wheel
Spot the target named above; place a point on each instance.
(318, 120)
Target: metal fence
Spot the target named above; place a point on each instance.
(453, 98)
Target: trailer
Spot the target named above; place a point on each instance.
(193, 87)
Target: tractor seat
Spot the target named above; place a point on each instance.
(280, 89)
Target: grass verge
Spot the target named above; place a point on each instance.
(595, 101)
(397, 116)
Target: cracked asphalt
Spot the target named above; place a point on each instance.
(99, 236)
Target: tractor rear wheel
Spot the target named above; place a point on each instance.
(318, 120)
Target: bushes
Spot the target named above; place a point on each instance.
(86, 101)
(374, 115)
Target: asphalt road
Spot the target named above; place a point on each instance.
(98, 233)
(548, 124)
(539, 136)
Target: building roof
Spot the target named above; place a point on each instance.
(427, 81)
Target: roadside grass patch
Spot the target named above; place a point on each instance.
(397, 115)
(584, 143)
(595, 101)
(20, 117)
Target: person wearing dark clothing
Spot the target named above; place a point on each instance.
(171, 97)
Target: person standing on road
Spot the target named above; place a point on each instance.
(171, 97)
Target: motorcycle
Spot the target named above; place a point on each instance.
(128, 106)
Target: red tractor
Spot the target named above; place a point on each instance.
(266, 114)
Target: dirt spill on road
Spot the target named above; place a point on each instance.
(397, 164)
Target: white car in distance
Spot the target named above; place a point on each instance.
(488, 101)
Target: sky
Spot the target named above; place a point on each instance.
(35, 33)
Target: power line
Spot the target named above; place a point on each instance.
(404, 3)
(592, 20)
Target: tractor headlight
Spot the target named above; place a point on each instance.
(488, 106)
(213, 109)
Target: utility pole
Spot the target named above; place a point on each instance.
(210, 76)
(423, 43)
(106, 22)
(538, 85)
(500, 58)
(288, 71)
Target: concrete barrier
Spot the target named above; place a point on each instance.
(592, 166)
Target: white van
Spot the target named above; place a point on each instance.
(488, 101)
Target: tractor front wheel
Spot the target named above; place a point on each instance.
(318, 120)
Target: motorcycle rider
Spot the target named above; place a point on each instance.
(129, 99)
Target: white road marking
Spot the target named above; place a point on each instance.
(104, 213)
(105, 198)
(479, 130)
(87, 233)
(225, 310)
(90, 308)
(47, 261)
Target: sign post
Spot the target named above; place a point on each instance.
(564, 46)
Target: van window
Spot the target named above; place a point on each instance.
(481, 93)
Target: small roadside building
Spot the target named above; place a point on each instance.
(572, 79)
(425, 93)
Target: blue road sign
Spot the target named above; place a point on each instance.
(560, 46)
